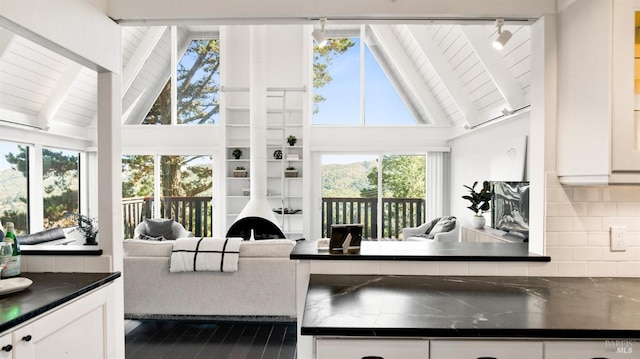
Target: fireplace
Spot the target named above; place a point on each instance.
(257, 216)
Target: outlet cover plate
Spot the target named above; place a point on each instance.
(617, 238)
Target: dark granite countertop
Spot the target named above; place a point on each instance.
(443, 306)
(60, 250)
(49, 290)
(423, 251)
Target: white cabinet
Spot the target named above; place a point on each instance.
(598, 132)
(610, 349)
(373, 348)
(79, 329)
(494, 349)
(6, 346)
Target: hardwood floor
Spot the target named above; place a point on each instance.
(198, 339)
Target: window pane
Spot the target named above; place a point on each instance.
(383, 105)
(61, 186)
(336, 82)
(186, 188)
(137, 191)
(160, 112)
(14, 177)
(198, 81)
(349, 191)
(403, 193)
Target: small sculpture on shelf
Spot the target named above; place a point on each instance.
(237, 153)
(240, 171)
(291, 172)
(291, 140)
(277, 154)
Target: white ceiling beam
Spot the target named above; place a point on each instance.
(450, 81)
(171, 11)
(18, 118)
(59, 93)
(420, 92)
(143, 51)
(6, 38)
(496, 68)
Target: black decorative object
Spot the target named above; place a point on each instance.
(277, 154)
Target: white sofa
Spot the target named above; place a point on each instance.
(264, 285)
(411, 234)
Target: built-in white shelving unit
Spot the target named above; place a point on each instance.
(284, 119)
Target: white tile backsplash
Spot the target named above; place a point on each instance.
(577, 237)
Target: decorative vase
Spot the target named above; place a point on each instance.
(90, 241)
(478, 221)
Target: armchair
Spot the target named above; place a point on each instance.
(434, 230)
(155, 228)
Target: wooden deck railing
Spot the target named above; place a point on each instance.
(397, 213)
(194, 213)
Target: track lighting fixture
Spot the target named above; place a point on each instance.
(318, 34)
(503, 36)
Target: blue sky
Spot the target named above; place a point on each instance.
(382, 103)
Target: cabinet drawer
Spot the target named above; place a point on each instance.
(622, 349)
(382, 348)
(474, 349)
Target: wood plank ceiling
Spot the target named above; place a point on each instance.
(448, 75)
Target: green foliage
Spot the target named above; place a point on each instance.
(402, 177)
(480, 201)
(291, 140)
(198, 96)
(237, 153)
(60, 184)
(345, 180)
(180, 176)
(322, 60)
(240, 168)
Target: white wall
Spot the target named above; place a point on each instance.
(471, 157)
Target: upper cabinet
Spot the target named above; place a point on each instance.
(597, 129)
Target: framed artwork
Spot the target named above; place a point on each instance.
(510, 209)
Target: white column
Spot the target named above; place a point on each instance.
(110, 192)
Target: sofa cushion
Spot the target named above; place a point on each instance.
(159, 227)
(144, 248)
(445, 224)
(275, 248)
(47, 235)
(267, 248)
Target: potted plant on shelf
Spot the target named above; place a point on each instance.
(240, 171)
(291, 140)
(291, 172)
(86, 225)
(237, 153)
(480, 202)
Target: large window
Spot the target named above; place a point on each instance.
(14, 182)
(61, 186)
(197, 95)
(385, 193)
(351, 88)
(177, 187)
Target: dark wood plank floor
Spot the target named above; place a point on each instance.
(198, 339)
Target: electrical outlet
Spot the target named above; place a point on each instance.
(617, 238)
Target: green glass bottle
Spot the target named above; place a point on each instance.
(13, 267)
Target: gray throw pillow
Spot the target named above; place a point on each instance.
(432, 223)
(445, 224)
(159, 227)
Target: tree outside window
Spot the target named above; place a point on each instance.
(14, 183)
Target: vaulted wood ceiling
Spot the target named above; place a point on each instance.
(448, 75)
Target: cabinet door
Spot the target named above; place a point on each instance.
(626, 92)
(6, 346)
(373, 348)
(610, 349)
(77, 330)
(486, 349)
